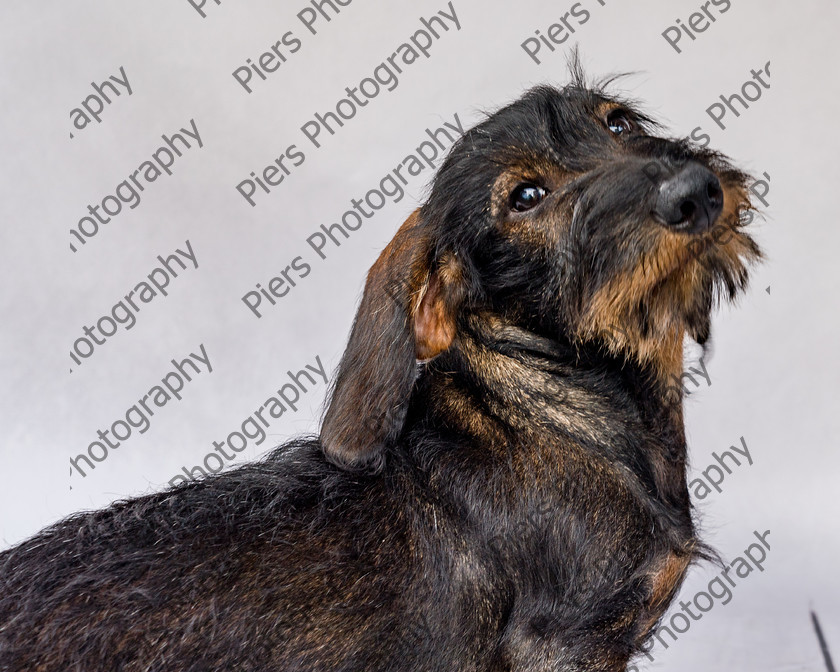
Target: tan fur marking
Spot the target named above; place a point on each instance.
(665, 581)
(434, 325)
(610, 312)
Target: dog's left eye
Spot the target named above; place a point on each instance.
(526, 196)
(619, 123)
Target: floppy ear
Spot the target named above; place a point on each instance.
(407, 313)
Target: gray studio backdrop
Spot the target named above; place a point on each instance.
(175, 297)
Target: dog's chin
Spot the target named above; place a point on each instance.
(713, 269)
(646, 312)
(714, 263)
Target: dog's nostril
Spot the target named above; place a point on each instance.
(687, 209)
(714, 191)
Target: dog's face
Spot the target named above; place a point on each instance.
(564, 214)
(577, 221)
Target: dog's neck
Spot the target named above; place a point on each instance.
(535, 403)
(531, 382)
(511, 357)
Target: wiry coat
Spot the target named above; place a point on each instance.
(499, 482)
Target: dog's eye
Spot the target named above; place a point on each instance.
(619, 123)
(526, 196)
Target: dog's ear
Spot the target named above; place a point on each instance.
(407, 313)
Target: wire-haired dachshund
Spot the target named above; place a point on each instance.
(499, 483)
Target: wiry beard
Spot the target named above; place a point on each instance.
(673, 284)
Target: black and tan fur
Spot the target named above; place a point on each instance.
(499, 482)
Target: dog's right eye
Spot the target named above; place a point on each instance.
(526, 196)
(618, 122)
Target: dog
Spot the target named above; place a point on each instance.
(499, 483)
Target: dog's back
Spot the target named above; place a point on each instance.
(244, 571)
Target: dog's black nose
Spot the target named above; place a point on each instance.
(690, 200)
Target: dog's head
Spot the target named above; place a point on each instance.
(563, 213)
